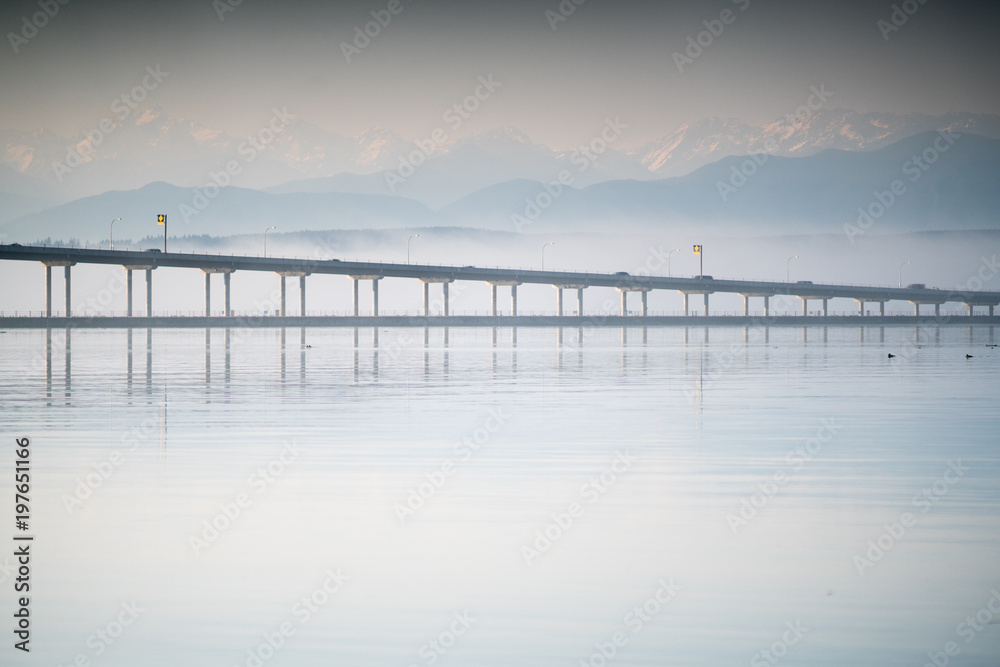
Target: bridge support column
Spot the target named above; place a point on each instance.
(645, 304)
(375, 297)
(149, 292)
(767, 306)
(579, 302)
(208, 294)
(560, 303)
(302, 296)
(493, 294)
(355, 281)
(937, 310)
(861, 306)
(225, 279)
(686, 304)
(746, 306)
(513, 300)
(916, 309)
(991, 310)
(706, 304)
(826, 303)
(624, 303)
(445, 294)
(128, 292)
(881, 308)
(48, 291)
(67, 303)
(805, 307)
(283, 304)
(68, 291)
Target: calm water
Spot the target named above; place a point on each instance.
(470, 497)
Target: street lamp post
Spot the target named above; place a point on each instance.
(788, 266)
(111, 234)
(412, 236)
(668, 259)
(901, 272)
(265, 238)
(545, 245)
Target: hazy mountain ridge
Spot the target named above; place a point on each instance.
(698, 144)
(820, 192)
(149, 146)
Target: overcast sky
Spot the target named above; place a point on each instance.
(558, 85)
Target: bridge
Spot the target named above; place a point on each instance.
(704, 286)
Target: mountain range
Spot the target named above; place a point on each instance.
(928, 181)
(40, 169)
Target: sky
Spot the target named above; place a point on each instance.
(560, 68)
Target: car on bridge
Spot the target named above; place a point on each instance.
(803, 282)
(916, 286)
(704, 277)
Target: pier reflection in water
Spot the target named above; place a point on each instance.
(366, 354)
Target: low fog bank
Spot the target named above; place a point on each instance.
(947, 260)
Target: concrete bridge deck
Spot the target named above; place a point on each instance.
(285, 267)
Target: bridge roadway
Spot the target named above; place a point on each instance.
(431, 274)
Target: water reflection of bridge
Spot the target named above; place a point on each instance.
(371, 353)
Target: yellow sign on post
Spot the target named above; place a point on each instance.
(697, 249)
(161, 219)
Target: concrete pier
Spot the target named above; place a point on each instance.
(48, 264)
(374, 278)
(513, 295)
(427, 281)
